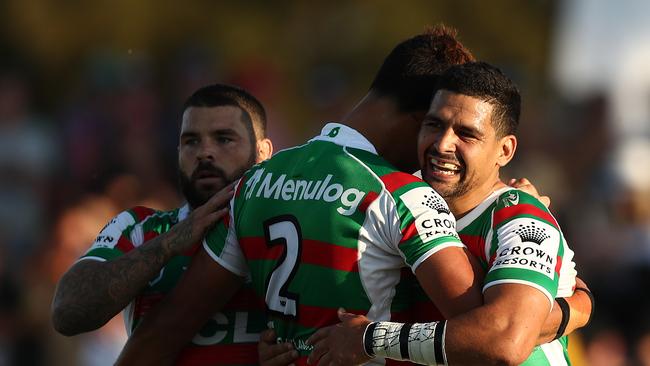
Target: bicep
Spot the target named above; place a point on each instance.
(452, 279)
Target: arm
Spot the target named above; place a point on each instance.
(91, 292)
(205, 288)
(581, 308)
(451, 278)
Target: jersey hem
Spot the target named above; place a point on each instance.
(435, 250)
(521, 282)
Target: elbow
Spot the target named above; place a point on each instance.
(511, 350)
(61, 324)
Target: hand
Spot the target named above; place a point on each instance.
(526, 186)
(340, 344)
(271, 353)
(184, 235)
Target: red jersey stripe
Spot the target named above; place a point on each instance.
(523, 209)
(367, 200)
(475, 244)
(124, 244)
(397, 180)
(312, 252)
(142, 212)
(408, 232)
(239, 186)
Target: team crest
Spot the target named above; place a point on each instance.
(512, 199)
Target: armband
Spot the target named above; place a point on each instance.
(566, 313)
(591, 299)
(422, 343)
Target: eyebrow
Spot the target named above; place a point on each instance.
(219, 131)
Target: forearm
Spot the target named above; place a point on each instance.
(497, 333)
(579, 312)
(93, 292)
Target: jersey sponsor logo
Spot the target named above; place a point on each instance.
(264, 184)
(435, 202)
(532, 233)
(512, 199)
(217, 328)
(432, 218)
(527, 244)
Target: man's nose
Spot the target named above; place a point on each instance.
(206, 152)
(446, 142)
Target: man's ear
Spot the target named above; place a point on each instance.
(264, 150)
(508, 145)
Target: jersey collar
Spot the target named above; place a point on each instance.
(478, 210)
(345, 136)
(183, 212)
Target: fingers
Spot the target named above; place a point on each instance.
(319, 335)
(545, 200)
(217, 215)
(319, 341)
(272, 354)
(222, 197)
(345, 316)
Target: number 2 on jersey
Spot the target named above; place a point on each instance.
(283, 230)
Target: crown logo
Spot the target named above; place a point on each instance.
(435, 202)
(532, 233)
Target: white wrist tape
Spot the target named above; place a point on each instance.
(422, 343)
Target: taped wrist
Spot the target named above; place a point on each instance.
(422, 343)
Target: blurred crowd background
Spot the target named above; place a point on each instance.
(90, 98)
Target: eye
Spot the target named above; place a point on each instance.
(224, 140)
(433, 123)
(190, 141)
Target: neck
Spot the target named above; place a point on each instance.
(462, 205)
(372, 116)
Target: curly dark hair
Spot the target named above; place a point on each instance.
(488, 83)
(409, 73)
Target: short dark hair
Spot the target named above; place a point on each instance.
(217, 95)
(409, 73)
(488, 83)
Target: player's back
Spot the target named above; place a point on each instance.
(298, 225)
(325, 225)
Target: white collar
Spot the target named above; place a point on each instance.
(345, 136)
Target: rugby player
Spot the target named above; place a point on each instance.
(331, 223)
(466, 137)
(141, 253)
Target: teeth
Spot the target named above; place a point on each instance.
(449, 166)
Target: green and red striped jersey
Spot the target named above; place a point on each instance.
(229, 338)
(329, 224)
(517, 240)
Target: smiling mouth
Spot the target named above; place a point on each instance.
(444, 168)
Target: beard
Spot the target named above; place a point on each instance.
(458, 189)
(197, 195)
(449, 190)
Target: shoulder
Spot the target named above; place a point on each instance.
(514, 204)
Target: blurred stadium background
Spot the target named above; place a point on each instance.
(90, 97)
